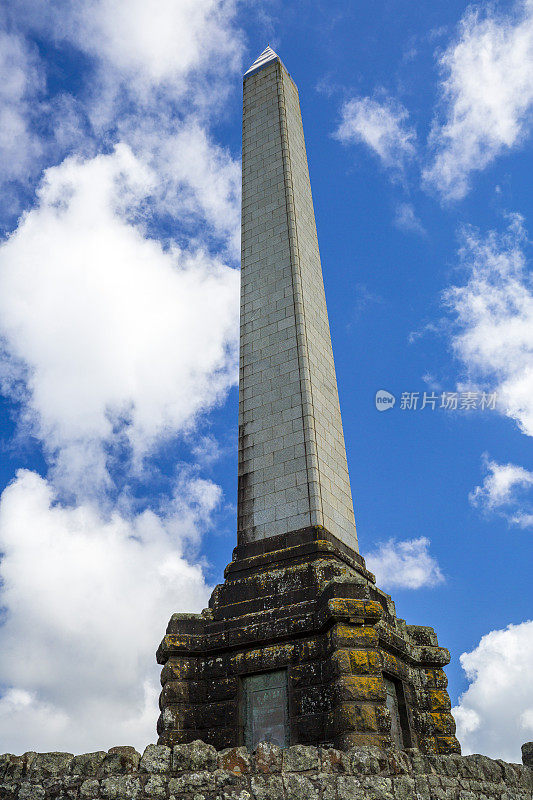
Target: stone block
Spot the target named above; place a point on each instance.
(88, 764)
(236, 759)
(49, 765)
(89, 789)
(268, 758)
(349, 788)
(120, 787)
(156, 759)
(300, 758)
(363, 662)
(332, 760)
(119, 760)
(359, 689)
(193, 782)
(31, 791)
(267, 788)
(527, 754)
(156, 787)
(367, 760)
(299, 787)
(16, 767)
(196, 756)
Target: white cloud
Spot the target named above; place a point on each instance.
(406, 220)
(503, 491)
(487, 93)
(142, 52)
(495, 714)
(404, 565)
(382, 126)
(196, 178)
(87, 597)
(154, 78)
(156, 43)
(118, 331)
(117, 338)
(494, 318)
(21, 84)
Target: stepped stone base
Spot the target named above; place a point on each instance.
(305, 603)
(197, 771)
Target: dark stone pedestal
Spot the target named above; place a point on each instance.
(304, 602)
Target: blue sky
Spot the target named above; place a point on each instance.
(120, 130)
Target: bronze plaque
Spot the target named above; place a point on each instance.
(265, 709)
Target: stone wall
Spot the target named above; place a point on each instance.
(199, 772)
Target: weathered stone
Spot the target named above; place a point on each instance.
(511, 773)
(480, 767)
(377, 788)
(349, 788)
(367, 760)
(194, 756)
(8, 790)
(300, 758)
(403, 787)
(31, 791)
(332, 760)
(47, 765)
(421, 764)
(156, 786)
(299, 787)
(156, 759)
(527, 754)
(88, 764)
(119, 760)
(16, 767)
(241, 794)
(308, 774)
(121, 787)
(268, 757)
(53, 785)
(398, 762)
(225, 779)
(202, 781)
(90, 788)
(236, 759)
(267, 788)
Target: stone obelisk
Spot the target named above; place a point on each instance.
(293, 471)
(298, 644)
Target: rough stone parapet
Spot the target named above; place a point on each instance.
(197, 771)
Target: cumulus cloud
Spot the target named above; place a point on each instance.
(505, 490)
(118, 332)
(150, 44)
(86, 599)
(21, 84)
(115, 337)
(144, 55)
(197, 179)
(487, 94)
(493, 311)
(404, 565)
(381, 126)
(495, 714)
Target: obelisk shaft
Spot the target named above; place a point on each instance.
(293, 471)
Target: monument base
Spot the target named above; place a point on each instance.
(299, 646)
